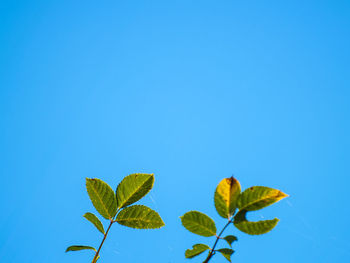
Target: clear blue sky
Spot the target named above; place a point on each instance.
(192, 91)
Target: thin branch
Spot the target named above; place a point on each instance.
(212, 251)
(103, 240)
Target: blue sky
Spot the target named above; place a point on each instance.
(192, 91)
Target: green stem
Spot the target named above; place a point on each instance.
(211, 253)
(103, 240)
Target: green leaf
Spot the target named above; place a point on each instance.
(253, 228)
(199, 223)
(226, 195)
(140, 217)
(133, 187)
(255, 198)
(76, 248)
(230, 239)
(226, 252)
(102, 197)
(97, 223)
(196, 250)
(258, 197)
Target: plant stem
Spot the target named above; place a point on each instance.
(103, 240)
(211, 253)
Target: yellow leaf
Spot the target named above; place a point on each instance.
(226, 195)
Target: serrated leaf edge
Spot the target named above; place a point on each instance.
(279, 194)
(153, 179)
(96, 193)
(209, 230)
(143, 206)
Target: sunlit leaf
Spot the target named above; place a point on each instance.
(94, 220)
(139, 216)
(77, 248)
(258, 197)
(196, 250)
(133, 187)
(226, 252)
(226, 195)
(199, 223)
(230, 239)
(253, 228)
(102, 197)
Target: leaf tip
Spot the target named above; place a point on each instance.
(283, 195)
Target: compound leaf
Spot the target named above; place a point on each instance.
(199, 223)
(230, 239)
(258, 197)
(77, 248)
(133, 187)
(226, 195)
(226, 252)
(253, 228)
(102, 197)
(140, 217)
(94, 220)
(196, 250)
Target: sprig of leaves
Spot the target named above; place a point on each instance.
(115, 206)
(227, 199)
